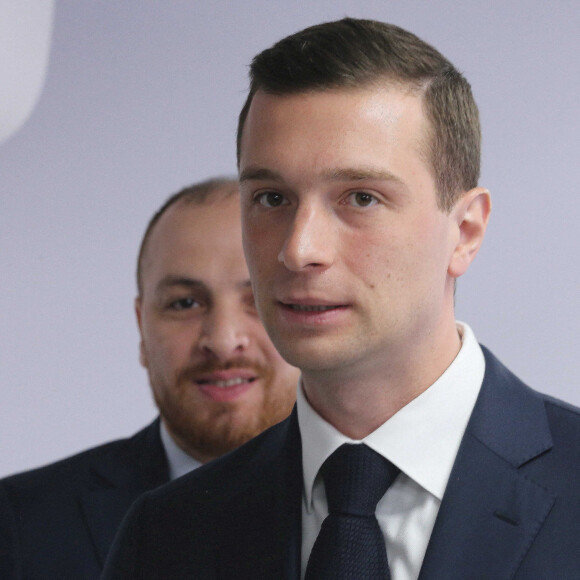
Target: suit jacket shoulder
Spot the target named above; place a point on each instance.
(237, 517)
(511, 508)
(58, 521)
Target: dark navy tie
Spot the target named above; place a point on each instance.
(350, 545)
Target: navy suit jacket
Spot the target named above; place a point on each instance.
(511, 509)
(58, 522)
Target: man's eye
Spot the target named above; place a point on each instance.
(362, 199)
(270, 199)
(184, 304)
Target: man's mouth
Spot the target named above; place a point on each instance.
(312, 312)
(226, 383)
(309, 308)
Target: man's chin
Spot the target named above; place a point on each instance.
(222, 427)
(210, 445)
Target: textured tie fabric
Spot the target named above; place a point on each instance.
(350, 545)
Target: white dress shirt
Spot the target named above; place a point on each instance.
(422, 440)
(178, 461)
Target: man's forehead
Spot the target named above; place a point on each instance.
(185, 218)
(315, 133)
(322, 110)
(191, 233)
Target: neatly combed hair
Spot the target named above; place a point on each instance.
(353, 53)
(202, 193)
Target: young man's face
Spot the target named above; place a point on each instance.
(216, 377)
(347, 249)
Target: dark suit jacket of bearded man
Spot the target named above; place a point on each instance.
(58, 521)
(511, 509)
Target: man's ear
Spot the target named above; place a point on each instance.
(471, 214)
(142, 355)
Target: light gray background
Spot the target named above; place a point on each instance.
(141, 98)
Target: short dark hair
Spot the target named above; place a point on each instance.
(214, 189)
(352, 53)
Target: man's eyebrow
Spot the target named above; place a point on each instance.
(172, 280)
(337, 174)
(259, 174)
(362, 174)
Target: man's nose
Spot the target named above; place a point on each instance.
(224, 333)
(309, 243)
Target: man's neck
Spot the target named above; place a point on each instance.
(357, 401)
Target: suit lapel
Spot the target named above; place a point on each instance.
(263, 532)
(117, 479)
(491, 512)
(104, 510)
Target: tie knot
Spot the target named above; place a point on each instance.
(356, 478)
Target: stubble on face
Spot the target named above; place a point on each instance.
(209, 430)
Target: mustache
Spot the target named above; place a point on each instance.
(211, 366)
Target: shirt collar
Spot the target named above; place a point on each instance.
(178, 461)
(422, 439)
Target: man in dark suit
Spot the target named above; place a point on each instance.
(412, 452)
(216, 379)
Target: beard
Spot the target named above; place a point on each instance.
(208, 429)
